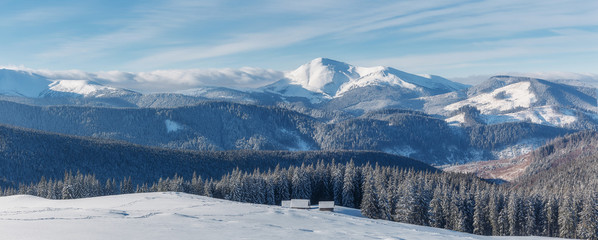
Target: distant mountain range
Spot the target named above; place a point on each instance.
(322, 105)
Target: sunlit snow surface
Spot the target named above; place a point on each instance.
(81, 87)
(507, 98)
(184, 216)
(324, 78)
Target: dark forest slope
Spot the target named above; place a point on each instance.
(26, 155)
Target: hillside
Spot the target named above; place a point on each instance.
(512, 99)
(565, 165)
(184, 216)
(234, 126)
(26, 155)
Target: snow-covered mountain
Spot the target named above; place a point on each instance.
(31, 85)
(322, 84)
(322, 79)
(330, 85)
(510, 99)
(83, 88)
(21, 83)
(184, 216)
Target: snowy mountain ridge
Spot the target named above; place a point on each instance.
(511, 99)
(328, 79)
(329, 85)
(84, 88)
(22, 83)
(31, 85)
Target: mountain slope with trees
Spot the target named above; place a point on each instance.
(234, 126)
(566, 165)
(26, 155)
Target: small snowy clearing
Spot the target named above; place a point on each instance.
(172, 126)
(185, 216)
(456, 120)
(405, 150)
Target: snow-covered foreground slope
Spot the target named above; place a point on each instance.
(184, 216)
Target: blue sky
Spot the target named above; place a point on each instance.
(447, 38)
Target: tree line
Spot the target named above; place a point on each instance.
(458, 202)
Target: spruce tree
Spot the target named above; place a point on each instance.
(588, 218)
(567, 218)
(552, 217)
(436, 214)
(337, 183)
(480, 219)
(350, 186)
(301, 184)
(369, 204)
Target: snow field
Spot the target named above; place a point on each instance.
(502, 99)
(184, 216)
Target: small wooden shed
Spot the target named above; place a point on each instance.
(326, 206)
(300, 203)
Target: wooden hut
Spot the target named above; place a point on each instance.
(326, 206)
(300, 203)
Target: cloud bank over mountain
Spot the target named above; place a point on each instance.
(167, 80)
(170, 80)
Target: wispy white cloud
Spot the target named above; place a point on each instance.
(331, 19)
(40, 15)
(504, 19)
(500, 56)
(193, 78)
(146, 23)
(579, 79)
(427, 36)
(237, 44)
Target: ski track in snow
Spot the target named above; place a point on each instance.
(185, 216)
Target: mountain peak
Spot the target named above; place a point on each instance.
(330, 78)
(327, 62)
(323, 75)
